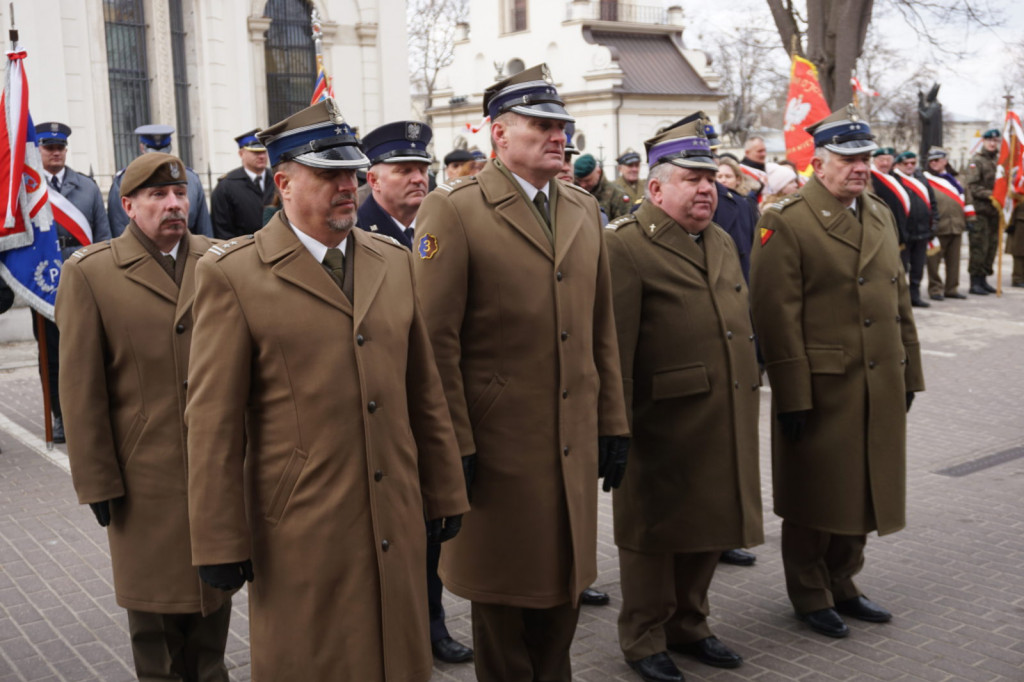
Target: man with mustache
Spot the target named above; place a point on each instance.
(831, 307)
(124, 310)
(319, 436)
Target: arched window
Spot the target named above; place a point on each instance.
(127, 74)
(290, 58)
(515, 66)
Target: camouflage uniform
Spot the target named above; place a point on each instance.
(981, 176)
(612, 199)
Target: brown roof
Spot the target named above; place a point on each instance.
(652, 64)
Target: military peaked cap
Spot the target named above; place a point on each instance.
(155, 136)
(843, 132)
(530, 92)
(683, 144)
(52, 132)
(398, 142)
(317, 136)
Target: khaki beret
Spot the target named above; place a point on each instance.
(153, 169)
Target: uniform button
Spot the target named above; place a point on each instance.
(565, 394)
(372, 407)
(860, 280)
(739, 287)
(565, 335)
(871, 364)
(180, 329)
(378, 474)
(384, 544)
(754, 387)
(867, 323)
(360, 340)
(899, 319)
(558, 275)
(185, 383)
(728, 335)
(903, 362)
(750, 338)
(735, 384)
(893, 280)
(565, 451)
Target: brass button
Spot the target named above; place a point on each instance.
(871, 364)
(185, 384)
(728, 335)
(867, 323)
(739, 287)
(565, 451)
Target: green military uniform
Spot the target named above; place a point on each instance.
(613, 200)
(634, 190)
(1015, 241)
(981, 177)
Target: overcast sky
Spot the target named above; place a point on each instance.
(970, 87)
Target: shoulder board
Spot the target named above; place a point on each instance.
(785, 202)
(90, 249)
(219, 250)
(457, 183)
(386, 238)
(577, 188)
(621, 221)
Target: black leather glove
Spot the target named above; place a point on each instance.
(793, 423)
(469, 473)
(910, 399)
(443, 529)
(1011, 227)
(970, 226)
(612, 452)
(227, 576)
(102, 512)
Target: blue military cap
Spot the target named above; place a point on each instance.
(155, 136)
(628, 158)
(712, 135)
(570, 146)
(317, 136)
(843, 132)
(530, 92)
(683, 144)
(478, 155)
(398, 142)
(52, 132)
(249, 141)
(992, 134)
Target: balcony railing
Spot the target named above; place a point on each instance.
(616, 10)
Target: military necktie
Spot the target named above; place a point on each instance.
(55, 182)
(259, 183)
(334, 262)
(541, 202)
(409, 232)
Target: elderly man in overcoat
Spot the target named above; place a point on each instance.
(514, 279)
(692, 488)
(124, 310)
(832, 311)
(319, 436)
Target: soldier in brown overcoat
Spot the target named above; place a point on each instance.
(832, 311)
(319, 436)
(689, 368)
(124, 310)
(513, 276)
(953, 211)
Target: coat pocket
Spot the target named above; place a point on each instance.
(132, 438)
(826, 360)
(483, 404)
(285, 486)
(680, 382)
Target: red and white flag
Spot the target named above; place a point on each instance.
(859, 87)
(1010, 168)
(479, 126)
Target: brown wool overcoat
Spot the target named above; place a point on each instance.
(689, 370)
(525, 342)
(832, 311)
(319, 440)
(125, 329)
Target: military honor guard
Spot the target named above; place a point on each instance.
(832, 312)
(590, 176)
(629, 175)
(397, 179)
(124, 309)
(236, 205)
(692, 395)
(319, 437)
(398, 158)
(953, 211)
(983, 239)
(84, 195)
(156, 137)
(919, 227)
(513, 274)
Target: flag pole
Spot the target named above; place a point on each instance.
(318, 47)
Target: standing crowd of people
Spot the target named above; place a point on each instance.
(351, 402)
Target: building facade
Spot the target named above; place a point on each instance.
(622, 69)
(211, 69)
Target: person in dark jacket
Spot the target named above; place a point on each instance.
(889, 189)
(236, 205)
(920, 225)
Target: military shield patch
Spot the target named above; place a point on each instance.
(766, 234)
(427, 247)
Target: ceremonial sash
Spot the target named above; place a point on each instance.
(895, 187)
(940, 184)
(915, 186)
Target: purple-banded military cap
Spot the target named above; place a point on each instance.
(530, 92)
(317, 136)
(398, 142)
(683, 144)
(843, 132)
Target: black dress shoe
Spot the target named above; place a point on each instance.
(711, 651)
(58, 430)
(657, 668)
(737, 557)
(920, 303)
(450, 651)
(592, 597)
(826, 622)
(936, 297)
(957, 294)
(1017, 284)
(986, 286)
(863, 608)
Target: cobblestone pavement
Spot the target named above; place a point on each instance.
(953, 578)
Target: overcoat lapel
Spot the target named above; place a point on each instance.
(570, 214)
(512, 208)
(833, 216)
(713, 252)
(369, 273)
(666, 233)
(187, 292)
(874, 227)
(141, 268)
(292, 262)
